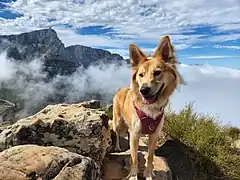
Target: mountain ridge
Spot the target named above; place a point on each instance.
(46, 45)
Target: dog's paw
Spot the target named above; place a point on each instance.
(149, 174)
(132, 178)
(117, 149)
(149, 178)
(132, 175)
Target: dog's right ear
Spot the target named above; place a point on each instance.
(164, 49)
(136, 55)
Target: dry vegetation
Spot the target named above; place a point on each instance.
(212, 140)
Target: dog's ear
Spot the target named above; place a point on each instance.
(136, 55)
(164, 49)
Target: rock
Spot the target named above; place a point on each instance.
(117, 165)
(93, 104)
(34, 162)
(79, 129)
(7, 111)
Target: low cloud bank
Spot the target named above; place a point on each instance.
(214, 90)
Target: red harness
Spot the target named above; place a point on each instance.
(149, 125)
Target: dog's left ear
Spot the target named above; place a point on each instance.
(164, 49)
(136, 55)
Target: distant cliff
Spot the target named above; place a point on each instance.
(46, 45)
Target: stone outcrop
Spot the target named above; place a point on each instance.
(69, 141)
(74, 127)
(32, 162)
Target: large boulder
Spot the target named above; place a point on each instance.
(83, 129)
(37, 162)
(80, 128)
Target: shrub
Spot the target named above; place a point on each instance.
(205, 134)
(233, 132)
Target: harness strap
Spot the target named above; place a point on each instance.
(149, 125)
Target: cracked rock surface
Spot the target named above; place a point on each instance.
(80, 128)
(25, 162)
(69, 142)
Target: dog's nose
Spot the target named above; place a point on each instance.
(145, 90)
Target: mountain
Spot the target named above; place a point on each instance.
(57, 58)
(27, 85)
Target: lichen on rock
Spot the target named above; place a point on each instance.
(25, 162)
(69, 141)
(72, 126)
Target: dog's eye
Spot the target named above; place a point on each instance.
(141, 74)
(156, 73)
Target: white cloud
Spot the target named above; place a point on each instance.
(196, 47)
(162, 17)
(229, 26)
(69, 37)
(228, 47)
(222, 38)
(215, 90)
(210, 57)
(28, 82)
(6, 68)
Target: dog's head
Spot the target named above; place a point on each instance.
(154, 78)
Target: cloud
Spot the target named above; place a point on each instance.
(6, 69)
(224, 37)
(210, 57)
(26, 82)
(196, 47)
(134, 21)
(228, 47)
(31, 86)
(214, 90)
(70, 37)
(229, 27)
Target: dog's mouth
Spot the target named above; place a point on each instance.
(152, 98)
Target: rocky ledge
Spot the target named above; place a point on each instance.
(68, 141)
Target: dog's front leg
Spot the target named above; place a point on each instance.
(152, 142)
(134, 141)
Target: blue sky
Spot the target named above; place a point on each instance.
(209, 34)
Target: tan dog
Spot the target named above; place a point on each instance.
(140, 107)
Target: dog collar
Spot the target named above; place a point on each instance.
(149, 125)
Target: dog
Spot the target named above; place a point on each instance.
(140, 107)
